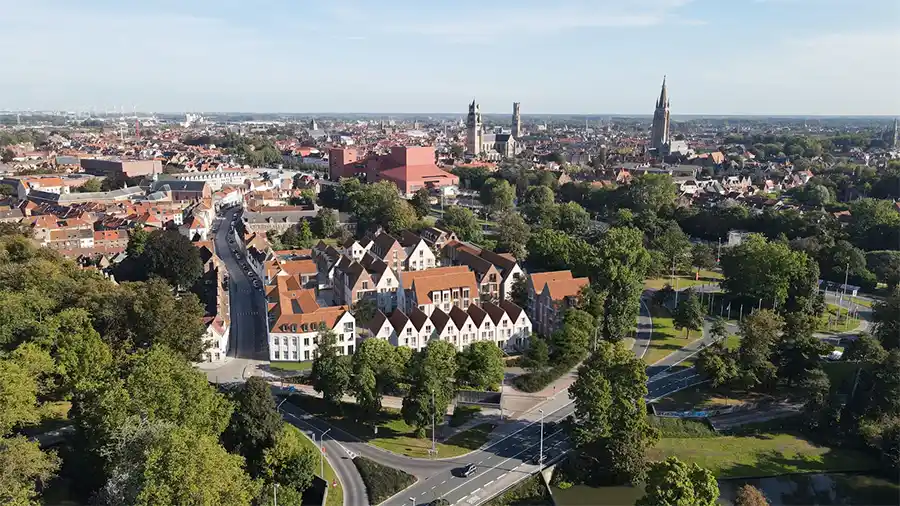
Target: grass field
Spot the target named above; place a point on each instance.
(861, 302)
(292, 366)
(665, 339)
(760, 455)
(703, 397)
(684, 280)
(837, 325)
(394, 434)
(335, 494)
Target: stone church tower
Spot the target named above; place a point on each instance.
(517, 120)
(659, 134)
(474, 130)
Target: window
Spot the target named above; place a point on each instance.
(365, 285)
(275, 340)
(421, 253)
(428, 328)
(277, 355)
(465, 293)
(348, 327)
(437, 297)
(295, 354)
(409, 331)
(389, 281)
(455, 294)
(294, 340)
(305, 341)
(306, 355)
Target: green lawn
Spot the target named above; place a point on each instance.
(837, 325)
(861, 302)
(761, 455)
(684, 280)
(665, 339)
(704, 397)
(394, 434)
(335, 494)
(292, 366)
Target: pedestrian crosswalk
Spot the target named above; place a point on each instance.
(247, 313)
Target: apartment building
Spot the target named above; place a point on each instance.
(441, 287)
(496, 272)
(296, 319)
(549, 294)
(304, 271)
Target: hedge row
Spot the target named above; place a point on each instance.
(381, 482)
(536, 381)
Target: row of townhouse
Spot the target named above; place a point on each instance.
(382, 267)
(505, 324)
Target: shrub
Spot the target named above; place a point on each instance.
(535, 381)
(677, 427)
(381, 482)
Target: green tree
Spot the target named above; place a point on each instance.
(886, 317)
(651, 192)
(461, 221)
(7, 155)
(497, 195)
(748, 495)
(400, 215)
(377, 367)
(290, 462)
(865, 348)
(689, 314)
(674, 246)
(674, 483)
(91, 185)
(513, 234)
(886, 267)
(255, 424)
(171, 256)
(759, 333)
(325, 224)
(421, 202)
(703, 256)
(6, 190)
(432, 374)
(718, 364)
(537, 356)
(304, 234)
(330, 373)
(24, 467)
(158, 386)
(137, 240)
(83, 360)
(797, 351)
(611, 431)
(18, 396)
(136, 316)
(573, 219)
(163, 464)
(480, 366)
(768, 271)
(622, 262)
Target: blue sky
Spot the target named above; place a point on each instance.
(555, 56)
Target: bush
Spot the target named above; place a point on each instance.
(462, 414)
(563, 485)
(677, 427)
(381, 482)
(535, 381)
(530, 491)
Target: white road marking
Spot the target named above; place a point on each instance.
(445, 481)
(434, 487)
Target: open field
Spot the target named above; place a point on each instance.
(665, 339)
(684, 280)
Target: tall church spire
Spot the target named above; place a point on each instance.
(663, 95)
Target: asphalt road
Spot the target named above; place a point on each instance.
(247, 337)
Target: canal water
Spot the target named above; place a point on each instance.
(790, 490)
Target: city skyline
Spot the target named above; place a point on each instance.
(751, 57)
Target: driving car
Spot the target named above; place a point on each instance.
(469, 470)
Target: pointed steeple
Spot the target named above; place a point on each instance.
(663, 95)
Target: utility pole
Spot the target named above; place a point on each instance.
(541, 455)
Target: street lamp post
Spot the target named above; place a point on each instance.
(433, 415)
(541, 455)
(322, 452)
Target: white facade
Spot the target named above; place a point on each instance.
(216, 343)
(420, 257)
(216, 179)
(386, 291)
(295, 345)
